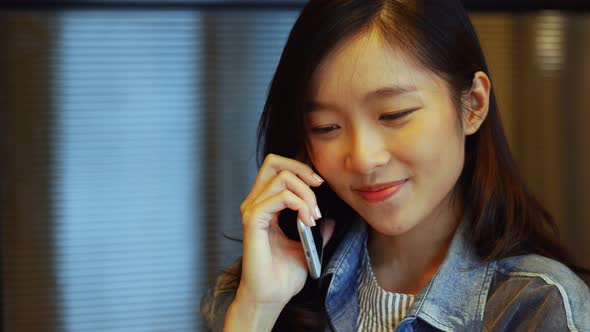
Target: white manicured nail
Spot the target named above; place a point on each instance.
(318, 214)
(317, 177)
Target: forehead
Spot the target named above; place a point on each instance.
(366, 62)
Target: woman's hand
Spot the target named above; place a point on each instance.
(273, 266)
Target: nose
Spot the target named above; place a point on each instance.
(368, 151)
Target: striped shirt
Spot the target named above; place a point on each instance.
(379, 310)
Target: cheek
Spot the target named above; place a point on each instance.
(329, 161)
(433, 148)
(323, 158)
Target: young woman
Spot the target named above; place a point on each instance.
(381, 116)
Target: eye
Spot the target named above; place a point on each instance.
(324, 129)
(396, 115)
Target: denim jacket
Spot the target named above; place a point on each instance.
(521, 293)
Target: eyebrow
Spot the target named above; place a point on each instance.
(381, 93)
(389, 92)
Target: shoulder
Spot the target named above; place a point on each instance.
(535, 292)
(216, 300)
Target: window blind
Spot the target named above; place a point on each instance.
(126, 123)
(152, 117)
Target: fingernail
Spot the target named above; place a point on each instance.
(312, 220)
(317, 177)
(318, 214)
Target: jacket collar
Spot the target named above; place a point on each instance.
(341, 274)
(454, 299)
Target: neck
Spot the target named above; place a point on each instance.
(405, 263)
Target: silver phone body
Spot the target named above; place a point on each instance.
(311, 254)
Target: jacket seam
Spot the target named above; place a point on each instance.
(549, 281)
(483, 296)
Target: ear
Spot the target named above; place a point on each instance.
(478, 102)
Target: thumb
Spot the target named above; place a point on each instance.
(327, 230)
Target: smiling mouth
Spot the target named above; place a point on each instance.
(380, 192)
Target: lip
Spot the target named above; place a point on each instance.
(380, 192)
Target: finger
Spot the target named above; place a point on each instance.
(273, 164)
(260, 215)
(327, 230)
(289, 181)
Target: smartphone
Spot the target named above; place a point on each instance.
(311, 239)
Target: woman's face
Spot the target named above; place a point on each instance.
(384, 134)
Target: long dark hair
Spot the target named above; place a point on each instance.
(506, 219)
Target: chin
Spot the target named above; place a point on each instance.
(395, 230)
(390, 228)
